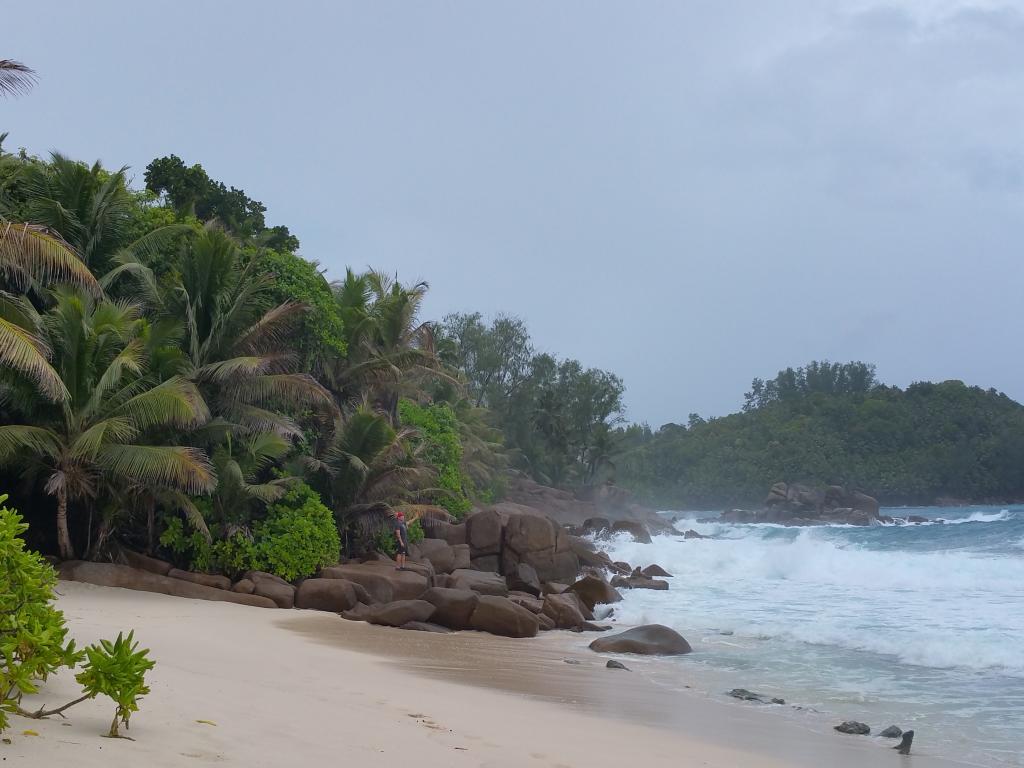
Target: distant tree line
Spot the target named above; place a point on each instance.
(829, 423)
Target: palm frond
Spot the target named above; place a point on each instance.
(26, 353)
(91, 441)
(175, 402)
(182, 468)
(15, 78)
(17, 439)
(28, 251)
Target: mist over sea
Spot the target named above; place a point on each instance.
(921, 626)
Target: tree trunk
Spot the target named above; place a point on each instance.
(64, 545)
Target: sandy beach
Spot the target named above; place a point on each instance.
(280, 688)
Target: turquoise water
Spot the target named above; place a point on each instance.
(917, 625)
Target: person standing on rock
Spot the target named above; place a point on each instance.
(402, 539)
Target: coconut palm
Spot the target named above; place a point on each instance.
(103, 430)
(391, 353)
(31, 257)
(236, 342)
(91, 208)
(369, 470)
(15, 78)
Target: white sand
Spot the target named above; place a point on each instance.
(282, 691)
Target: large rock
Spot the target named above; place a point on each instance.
(481, 582)
(853, 727)
(425, 626)
(381, 580)
(463, 560)
(483, 533)
(124, 577)
(454, 607)
(243, 586)
(335, 595)
(500, 616)
(588, 556)
(523, 578)
(649, 640)
(594, 591)
(528, 601)
(142, 562)
(596, 526)
(564, 611)
(634, 528)
(282, 594)
(206, 579)
(400, 612)
(655, 570)
(439, 553)
(540, 543)
(451, 533)
(638, 582)
(487, 563)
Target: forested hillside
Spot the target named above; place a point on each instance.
(834, 424)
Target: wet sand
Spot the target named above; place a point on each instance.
(286, 688)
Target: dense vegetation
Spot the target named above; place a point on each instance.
(175, 378)
(828, 423)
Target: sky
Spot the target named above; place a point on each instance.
(688, 193)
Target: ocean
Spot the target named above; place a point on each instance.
(921, 626)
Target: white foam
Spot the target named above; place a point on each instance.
(936, 609)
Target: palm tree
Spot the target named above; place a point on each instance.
(369, 470)
(237, 344)
(31, 258)
(15, 78)
(101, 432)
(390, 352)
(91, 208)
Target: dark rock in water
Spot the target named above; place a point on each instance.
(917, 519)
(854, 728)
(655, 570)
(904, 746)
(648, 640)
(692, 534)
(613, 664)
(571, 661)
(744, 695)
(726, 632)
(892, 732)
(634, 528)
(638, 582)
(795, 504)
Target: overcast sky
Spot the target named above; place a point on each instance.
(688, 193)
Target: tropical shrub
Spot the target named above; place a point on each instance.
(117, 669)
(33, 637)
(298, 537)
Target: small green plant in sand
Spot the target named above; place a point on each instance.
(117, 669)
(34, 641)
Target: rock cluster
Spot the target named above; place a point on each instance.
(795, 504)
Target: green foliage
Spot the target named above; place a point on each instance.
(438, 428)
(298, 537)
(117, 669)
(909, 446)
(33, 637)
(191, 191)
(295, 279)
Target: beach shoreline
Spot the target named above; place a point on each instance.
(236, 685)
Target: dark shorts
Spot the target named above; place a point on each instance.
(401, 550)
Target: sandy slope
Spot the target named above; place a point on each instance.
(285, 688)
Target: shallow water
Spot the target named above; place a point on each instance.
(921, 626)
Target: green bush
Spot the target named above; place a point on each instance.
(118, 670)
(33, 637)
(298, 537)
(439, 429)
